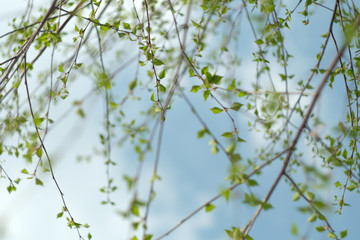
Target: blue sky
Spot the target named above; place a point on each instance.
(190, 174)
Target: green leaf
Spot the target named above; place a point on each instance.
(191, 72)
(345, 154)
(266, 205)
(38, 121)
(320, 228)
(11, 188)
(321, 217)
(235, 157)
(126, 26)
(204, 70)
(226, 194)
(81, 113)
(133, 84)
(206, 94)
(296, 196)
(235, 233)
(195, 89)
(135, 210)
(343, 233)
(236, 106)
(252, 182)
(259, 41)
(215, 79)
(24, 171)
(162, 74)
(157, 62)
(103, 80)
(331, 235)
(294, 230)
(39, 152)
(232, 86)
(148, 237)
(121, 34)
(231, 148)
(60, 214)
(224, 10)
(310, 195)
(61, 69)
(195, 24)
(209, 207)
(104, 27)
(319, 204)
(248, 238)
(241, 94)
(308, 2)
(38, 182)
(351, 187)
(214, 149)
(267, 6)
(155, 177)
(201, 133)
(312, 218)
(152, 98)
(162, 88)
(227, 134)
(338, 184)
(216, 110)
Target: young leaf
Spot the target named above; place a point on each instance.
(294, 230)
(312, 218)
(241, 94)
(215, 79)
(152, 98)
(227, 134)
(126, 26)
(162, 74)
(252, 182)
(232, 86)
(195, 89)
(38, 121)
(310, 195)
(157, 62)
(259, 41)
(231, 148)
(201, 133)
(209, 207)
(236, 106)
(206, 94)
(331, 235)
(148, 237)
(204, 70)
(216, 110)
(296, 196)
(162, 88)
(320, 228)
(133, 84)
(337, 184)
(38, 182)
(343, 233)
(226, 194)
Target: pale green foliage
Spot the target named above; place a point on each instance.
(144, 58)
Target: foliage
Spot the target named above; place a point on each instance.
(231, 63)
